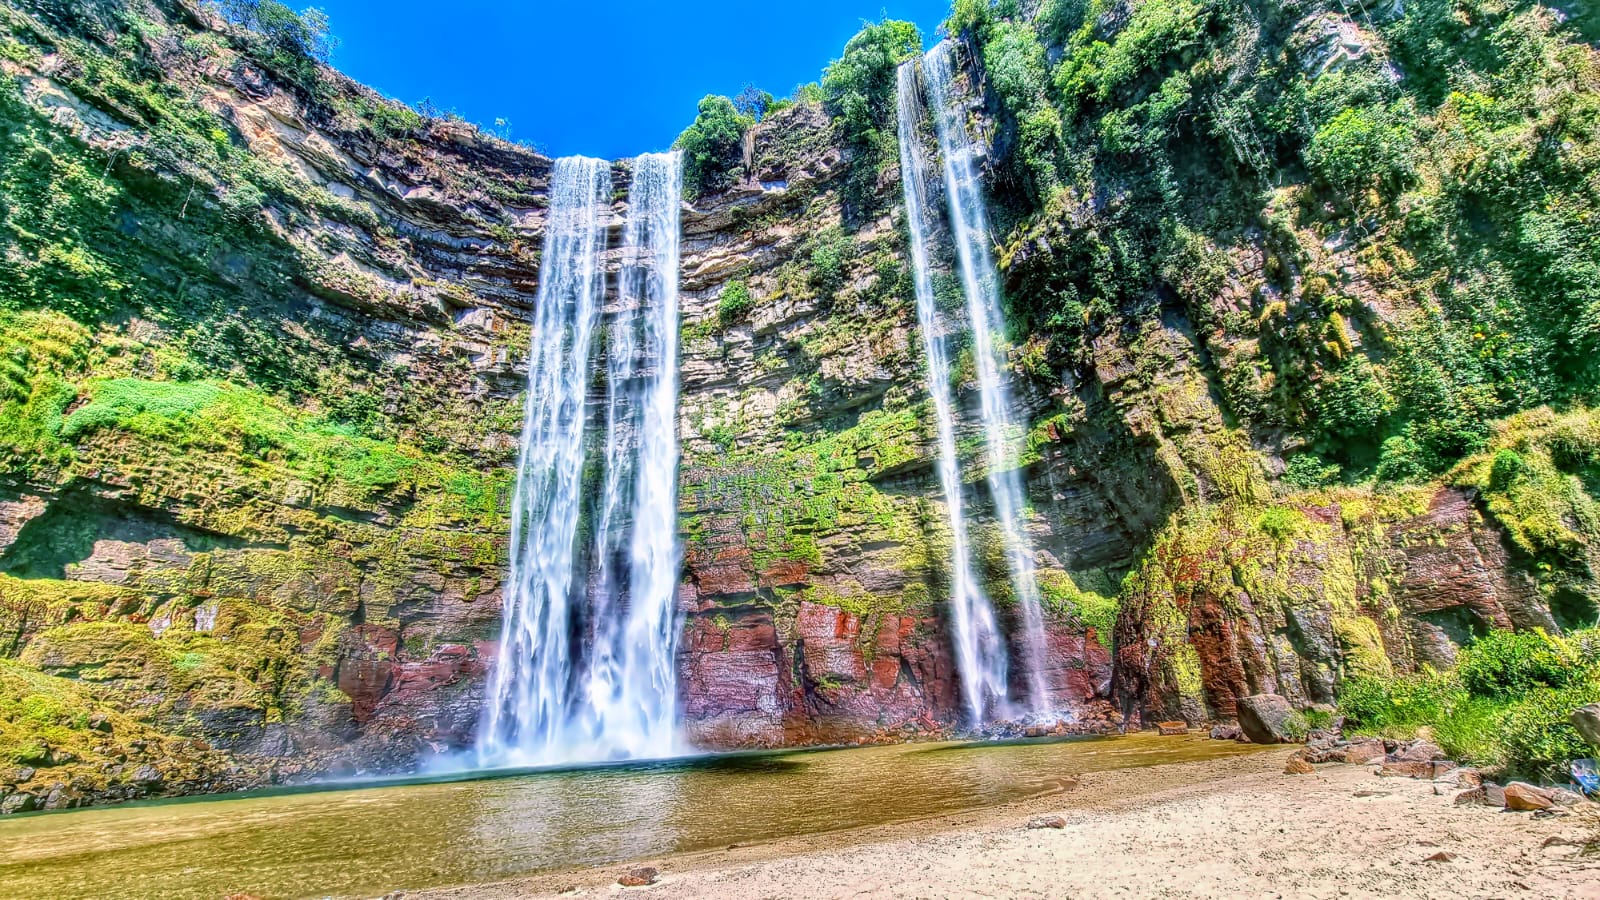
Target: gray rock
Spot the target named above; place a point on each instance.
(17, 803)
(1225, 732)
(1418, 751)
(1586, 719)
(1264, 718)
(147, 775)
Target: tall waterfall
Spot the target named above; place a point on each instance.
(548, 701)
(969, 227)
(980, 651)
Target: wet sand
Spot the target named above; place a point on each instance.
(1235, 827)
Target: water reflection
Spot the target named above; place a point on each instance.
(364, 842)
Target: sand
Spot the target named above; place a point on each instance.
(1223, 828)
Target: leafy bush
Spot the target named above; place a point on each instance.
(1351, 402)
(735, 303)
(1364, 148)
(829, 254)
(1307, 470)
(1401, 459)
(713, 146)
(1510, 663)
(304, 34)
(1538, 740)
(1505, 706)
(1397, 707)
(859, 88)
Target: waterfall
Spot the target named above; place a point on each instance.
(980, 652)
(969, 227)
(548, 701)
(630, 687)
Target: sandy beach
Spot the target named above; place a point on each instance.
(1235, 827)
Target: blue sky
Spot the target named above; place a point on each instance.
(608, 78)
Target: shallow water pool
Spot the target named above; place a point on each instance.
(365, 841)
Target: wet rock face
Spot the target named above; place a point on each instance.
(1266, 719)
(301, 622)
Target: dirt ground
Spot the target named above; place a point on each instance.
(1224, 828)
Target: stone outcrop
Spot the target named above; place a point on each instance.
(297, 561)
(1266, 719)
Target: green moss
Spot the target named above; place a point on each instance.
(1361, 643)
(1063, 598)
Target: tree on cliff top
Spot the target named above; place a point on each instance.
(305, 33)
(859, 89)
(713, 145)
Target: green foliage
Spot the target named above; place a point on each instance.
(1019, 75)
(1402, 460)
(1507, 467)
(304, 34)
(859, 89)
(1351, 402)
(1305, 471)
(290, 43)
(735, 303)
(1505, 707)
(1509, 663)
(1364, 149)
(831, 251)
(1063, 597)
(713, 147)
(1539, 742)
(1281, 523)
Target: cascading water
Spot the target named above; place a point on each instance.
(630, 686)
(980, 652)
(547, 702)
(969, 227)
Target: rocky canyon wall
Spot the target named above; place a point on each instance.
(264, 338)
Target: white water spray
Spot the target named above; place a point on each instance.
(969, 227)
(549, 702)
(980, 651)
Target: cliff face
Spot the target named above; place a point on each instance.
(262, 349)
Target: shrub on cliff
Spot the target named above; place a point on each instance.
(713, 146)
(735, 303)
(1504, 707)
(1511, 663)
(859, 88)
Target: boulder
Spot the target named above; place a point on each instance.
(1418, 751)
(1364, 750)
(1264, 718)
(1226, 732)
(1406, 768)
(1523, 797)
(17, 803)
(1047, 822)
(640, 877)
(1586, 719)
(1173, 728)
(1298, 766)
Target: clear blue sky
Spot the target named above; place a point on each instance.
(607, 78)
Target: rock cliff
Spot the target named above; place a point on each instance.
(262, 346)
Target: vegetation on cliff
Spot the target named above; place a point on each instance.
(1303, 303)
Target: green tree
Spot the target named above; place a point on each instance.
(713, 145)
(859, 88)
(305, 34)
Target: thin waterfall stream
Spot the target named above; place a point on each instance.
(980, 649)
(969, 227)
(585, 670)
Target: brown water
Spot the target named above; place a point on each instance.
(365, 841)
